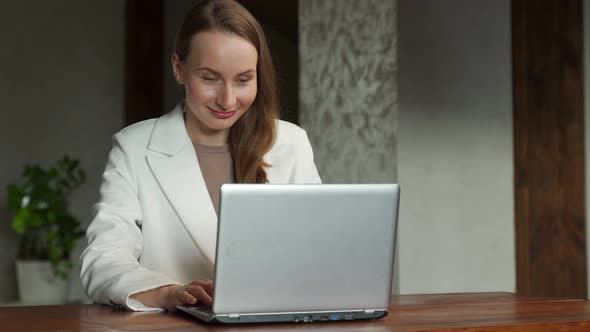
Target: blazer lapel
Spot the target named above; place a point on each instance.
(177, 171)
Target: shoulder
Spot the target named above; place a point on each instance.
(140, 131)
(167, 128)
(288, 132)
(291, 158)
(290, 139)
(129, 144)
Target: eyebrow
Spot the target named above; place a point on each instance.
(219, 74)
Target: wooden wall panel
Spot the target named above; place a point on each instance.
(144, 92)
(547, 50)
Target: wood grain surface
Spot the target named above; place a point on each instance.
(477, 312)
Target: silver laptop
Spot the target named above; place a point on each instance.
(303, 253)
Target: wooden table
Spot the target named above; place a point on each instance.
(477, 312)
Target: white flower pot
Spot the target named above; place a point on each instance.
(38, 285)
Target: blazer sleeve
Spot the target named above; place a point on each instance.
(304, 170)
(110, 270)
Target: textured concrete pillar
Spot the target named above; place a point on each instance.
(348, 87)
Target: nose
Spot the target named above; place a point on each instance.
(226, 97)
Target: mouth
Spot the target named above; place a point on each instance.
(221, 115)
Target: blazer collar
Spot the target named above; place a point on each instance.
(181, 179)
(169, 134)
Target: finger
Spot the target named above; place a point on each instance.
(206, 284)
(185, 297)
(179, 296)
(200, 294)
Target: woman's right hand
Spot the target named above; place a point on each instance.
(168, 297)
(197, 292)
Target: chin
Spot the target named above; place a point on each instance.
(217, 124)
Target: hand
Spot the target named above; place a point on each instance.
(168, 297)
(197, 292)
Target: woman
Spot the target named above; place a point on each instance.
(151, 244)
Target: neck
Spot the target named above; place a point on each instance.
(201, 134)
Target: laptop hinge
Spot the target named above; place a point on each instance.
(234, 316)
(369, 311)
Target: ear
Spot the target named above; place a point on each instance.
(177, 68)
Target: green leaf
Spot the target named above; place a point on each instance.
(51, 237)
(54, 253)
(14, 196)
(35, 220)
(51, 216)
(19, 222)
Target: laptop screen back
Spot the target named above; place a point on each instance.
(289, 248)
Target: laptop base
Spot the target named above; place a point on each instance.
(206, 315)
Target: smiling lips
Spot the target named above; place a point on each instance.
(222, 115)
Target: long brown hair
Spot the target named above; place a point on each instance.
(252, 136)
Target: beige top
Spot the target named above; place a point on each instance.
(217, 167)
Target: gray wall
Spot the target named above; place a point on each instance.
(455, 146)
(348, 88)
(61, 87)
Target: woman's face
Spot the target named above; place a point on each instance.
(219, 76)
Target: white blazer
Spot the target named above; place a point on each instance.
(155, 224)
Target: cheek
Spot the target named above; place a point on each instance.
(200, 91)
(247, 96)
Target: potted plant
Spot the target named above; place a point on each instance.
(47, 227)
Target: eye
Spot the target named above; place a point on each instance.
(244, 80)
(210, 79)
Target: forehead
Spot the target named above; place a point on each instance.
(223, 52)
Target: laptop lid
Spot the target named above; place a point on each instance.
(305, 248)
